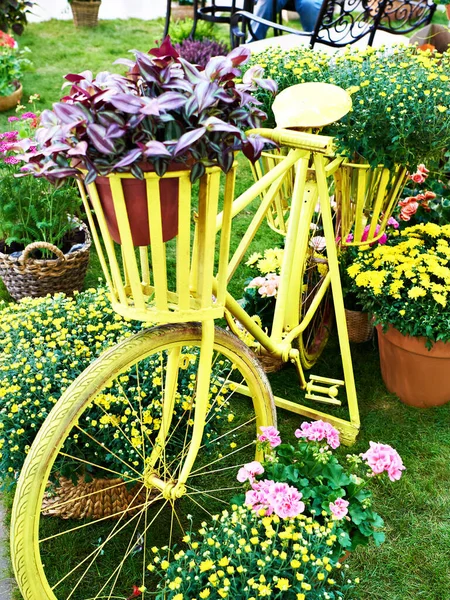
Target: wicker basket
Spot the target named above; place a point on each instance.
(27, 276)
(359, 326)
(85, 14)
(270, 363)
(95, 499)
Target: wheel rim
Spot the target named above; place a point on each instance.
(104, 557)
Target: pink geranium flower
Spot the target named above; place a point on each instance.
(248, 471)
(270, 434)
(318, 431)
(382, 457)
(272, 497)
(339, 508)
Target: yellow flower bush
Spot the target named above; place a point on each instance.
(45, 344)
(406, 282)
(245, 556)
(401, 98)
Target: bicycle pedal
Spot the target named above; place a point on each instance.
(326, 393)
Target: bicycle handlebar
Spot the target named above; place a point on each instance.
(297, 139)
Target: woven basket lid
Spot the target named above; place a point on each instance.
(313, 104)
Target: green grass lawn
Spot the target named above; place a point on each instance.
(413, 563)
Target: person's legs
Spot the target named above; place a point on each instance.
(308, 11)
(264, 9)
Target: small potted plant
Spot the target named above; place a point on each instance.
(85, 12)
(405, 285)
(12, 61)
(165, 115)
(44, 248)
(13, 15)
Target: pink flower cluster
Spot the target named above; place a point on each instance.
(272, 497)
(420, 175)
(270, 434)
(383, 239)
(339, 508)
(382, 457)
(318, 431)
(248, 471)
(267, 286)
(410, 205)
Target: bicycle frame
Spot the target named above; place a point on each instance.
(313, 168)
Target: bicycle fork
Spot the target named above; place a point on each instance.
(169, 487)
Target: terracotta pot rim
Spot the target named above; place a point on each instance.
(415, 345)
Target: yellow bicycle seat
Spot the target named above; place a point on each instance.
(311, 105)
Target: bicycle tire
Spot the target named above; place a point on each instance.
(28, 544)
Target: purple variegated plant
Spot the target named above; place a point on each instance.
(165, 109)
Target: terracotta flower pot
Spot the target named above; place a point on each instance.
(420, 377)
(8, 102)
(136, 202)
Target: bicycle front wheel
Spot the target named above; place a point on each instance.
(86, 516)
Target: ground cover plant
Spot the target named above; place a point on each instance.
(413, 562)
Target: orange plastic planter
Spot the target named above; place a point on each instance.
(420, 377)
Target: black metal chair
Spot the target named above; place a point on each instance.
(212, 11)
(342, 22)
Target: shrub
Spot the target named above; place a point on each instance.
(45, 344)
(12, 61)
(165, 110)
(406, 282)
(199, 52)
(181, 29)
(401, 108)
(242, 555)
(31, 209)
(327, 487)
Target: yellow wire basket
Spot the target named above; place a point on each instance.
(162, 281)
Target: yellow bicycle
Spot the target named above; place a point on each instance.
(146, 443)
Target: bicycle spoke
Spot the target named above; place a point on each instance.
(102, 445)
(94, 553)
(87, 462)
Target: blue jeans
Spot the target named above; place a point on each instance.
(307, 9)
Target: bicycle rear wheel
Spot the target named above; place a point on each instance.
(312, 341)
(87, 465)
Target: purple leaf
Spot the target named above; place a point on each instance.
(69, 114)
(129, 158)
(165, 49)
(78, 150)
(127, 103)
(97, 135)
(151, 107)
(115, 131)
(155, 148)
(188, 138)
(48, 118)
(204, 94)
(124, 61)
(171, 100)
(215, 124)
(191, 72)
(239, 55)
